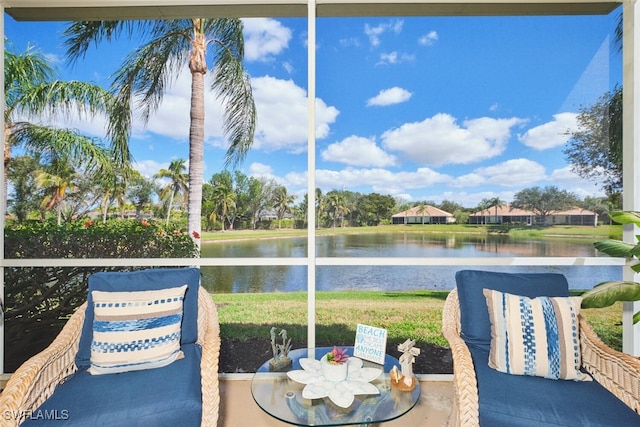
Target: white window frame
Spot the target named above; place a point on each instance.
(312, 9)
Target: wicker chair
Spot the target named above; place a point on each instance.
(34, 382)
(617, 372)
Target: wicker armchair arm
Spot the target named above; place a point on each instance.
(617, 372)
(37, 378)
(465, 385)
(210, 341)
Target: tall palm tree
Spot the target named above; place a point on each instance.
(33, 92)
(177, 183)
(168, 47)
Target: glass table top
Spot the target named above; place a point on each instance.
(281, 397)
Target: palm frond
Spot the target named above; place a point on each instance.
(148, 70)
(233, 87)
(52, 142)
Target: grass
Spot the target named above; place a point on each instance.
(415, 315)
(600, 232)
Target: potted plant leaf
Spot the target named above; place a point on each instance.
(606, 293)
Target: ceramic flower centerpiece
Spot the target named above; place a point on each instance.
(334, 364)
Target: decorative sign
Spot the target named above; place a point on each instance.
(371, 343)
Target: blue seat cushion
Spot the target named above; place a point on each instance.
(514, 400)
(475, 326)
(168, 396)
(143, 280)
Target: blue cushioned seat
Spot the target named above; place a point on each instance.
(486, 397)
(56, 386)
(168, 396)
(525, 401)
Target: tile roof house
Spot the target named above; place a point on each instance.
(424, 214)
(505, 214)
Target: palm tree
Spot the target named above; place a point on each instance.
(56, 179)
(421, 210)
(320, 202)
(177, 183)
(32, 91)
(337, 206)
(112, 185)
(282, 201)
(487, 204)
(224, 200)
(168, 47)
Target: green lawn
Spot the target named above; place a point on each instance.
(415, 315)
(600, 232)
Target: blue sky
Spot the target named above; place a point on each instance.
(429, 108)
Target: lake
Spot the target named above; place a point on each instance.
(241, 279)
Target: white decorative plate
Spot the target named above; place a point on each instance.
(341, 393)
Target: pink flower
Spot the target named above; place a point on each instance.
(337, 355)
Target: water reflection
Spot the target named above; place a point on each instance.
(390, 278)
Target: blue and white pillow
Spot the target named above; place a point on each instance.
(136, 330)
(535, 336)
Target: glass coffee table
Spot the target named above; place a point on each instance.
(281, 397)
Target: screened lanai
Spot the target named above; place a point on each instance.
(68, 10)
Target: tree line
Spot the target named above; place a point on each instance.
(69, 175)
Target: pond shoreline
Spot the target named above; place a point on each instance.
(551, 232)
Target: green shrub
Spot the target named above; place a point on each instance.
(39, 300)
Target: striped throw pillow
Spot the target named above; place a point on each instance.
(136, 330)
(535, 336)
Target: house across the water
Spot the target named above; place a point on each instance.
(424, 214)
(505, 215)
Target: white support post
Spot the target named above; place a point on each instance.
(311, 177)
(631, 157)
(3, 197)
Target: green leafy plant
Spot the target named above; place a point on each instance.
(606, 293)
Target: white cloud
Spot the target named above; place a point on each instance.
(264, 38)
(148, 168)
(282, 115)
(394, 95)
(551, 134)
(374, 33)
(395, 58)
(439, 140)
(568, 179)
(380, 180)
(260, 169)
(428, 39)
(358, 151)
(513, 173)
(281, 110)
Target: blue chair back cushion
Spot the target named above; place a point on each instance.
(525, 401)
(169, 396)
(474, 316)
(143, 280)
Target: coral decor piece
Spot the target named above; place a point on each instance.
(405, 380)
(281, 360)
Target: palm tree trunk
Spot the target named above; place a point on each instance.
(169, 210)
(197, 65)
